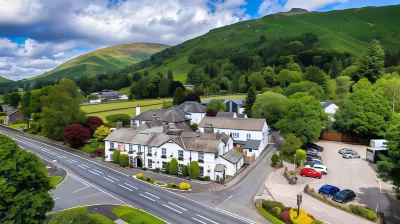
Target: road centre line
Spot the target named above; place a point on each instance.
(172, 209)
(146, 197)
(225, 200)
(85, 165)
(177, 206)
(113, 178)
(81, 167)
(199, 220)
(125, 187)
(70, 161)
(131, 186)
(97, 171)
(108, 179)
(207, 219)
(152, 195)
(94, 173)
(80, 189)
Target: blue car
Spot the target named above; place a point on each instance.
(328, 190)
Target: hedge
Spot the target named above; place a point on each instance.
(124, 118)
(317, 222)
(124, 160)
(363, 212)
(167, 168)
(194, 170)
(185, 171)
(115, 156)
(173, 167)
(269, 205)
(269, 216)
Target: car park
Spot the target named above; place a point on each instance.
(313, 162)
(344, 196)
(320, 168)
(328, 190)
(351, 155)
(311, 145)
(345, 150)
(310, 172)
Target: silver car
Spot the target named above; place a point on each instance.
(345, 150)
(351, 155)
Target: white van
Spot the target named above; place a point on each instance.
(378, 143)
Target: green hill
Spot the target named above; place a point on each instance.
(348, 31)
(104, 60)
(2, 79)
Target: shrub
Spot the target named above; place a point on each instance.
(139, 175)
(363, 212)
(167, 168)
(194, 170)
(194, 127)
(124, 160)
(115, 156)
(202, 178)
(173, 167)
(276, 211)
(93, 122)
(76, 134)
(275, 159)
(148, 179)
(184, 186)
(317, 222)
(268, 205)
(144, 167)
(303, 218)
(185, 171)
(269, 216)
(207, 178)
(99, 151)
(172, 184)
(101, 133)
(114, 118)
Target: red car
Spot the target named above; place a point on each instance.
(310, 172)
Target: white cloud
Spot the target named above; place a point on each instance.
(310, 5)
(58, 55)
(269, 7)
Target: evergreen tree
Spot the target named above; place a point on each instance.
(371, 62)
(179, 96)
(337, 67)
(250, 99)
(163, 87)
(14, 99)
(317, 75)
(25, 107)
(170, 76)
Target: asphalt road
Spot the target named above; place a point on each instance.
(167, 205)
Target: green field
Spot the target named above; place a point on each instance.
(104, 60)
(2, 79)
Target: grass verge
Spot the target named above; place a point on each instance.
(54, 180)
(268, 216)
(76, 216)
(135, 216)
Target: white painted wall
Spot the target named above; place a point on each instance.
(196, 117)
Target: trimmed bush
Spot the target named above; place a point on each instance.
(167, 168)
(139, 175)
(202, 178)
(317, 222)
(269, 216)
(124, 160)
(303, 218)
(185, 171)
(184, 186)
(148, 179)
(276, 211)
(114, 118)
(173, 167)
(115, 156)
(274, 159)
(172, 184)
(207, 178)
(363, 212)
(268, 205)
(194, 170)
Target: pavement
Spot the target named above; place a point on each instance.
(167, 205)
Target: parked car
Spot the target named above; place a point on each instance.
(309, 158)
(328, 190)
(351, 155)
(311, 145)
(345, 150)
(310, 172)
(312, 152)
(313, 162)
(320, 168)
(344, 196)
(318, 161)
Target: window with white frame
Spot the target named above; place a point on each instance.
(180, 154)
(248, 136)
(139, 148)
(150, 163)
(201, 156)
(235, 135)
(180, 168)
(201, 171)
(149, 150)
(130, 147)
(164, 152)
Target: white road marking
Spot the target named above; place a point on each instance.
(85, 165)
(113, 178)
(70, 161)
(80, 180)
(97, 171)
(172, 209)
(147, 197)
(125, 187)
(80, 189)
(207, 219)
(108, 179)
(131, 186)
(94, 173)
(152, 195)
(81, 167)
(56, 198)
(73, 161)
(198, 220)
(225, 200)
(177, 206)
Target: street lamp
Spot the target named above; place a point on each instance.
(294, 162)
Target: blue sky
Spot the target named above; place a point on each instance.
(47, 35)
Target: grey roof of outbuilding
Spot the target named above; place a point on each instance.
(252, 144)
(225, 114)
(153, 124)
(192, 107)
(232, 156)
(250, 124)
(219, 168)
(11, 111)
(171, 115)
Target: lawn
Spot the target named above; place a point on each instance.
(135, 216)
(122, 105)
(54, 180)
(131, 111)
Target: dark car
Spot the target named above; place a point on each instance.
(312, 152)
(311, 145)
(309, 158)
(328, 190)
(344, 196)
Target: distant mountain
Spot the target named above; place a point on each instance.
(2, 79)
(104, 60)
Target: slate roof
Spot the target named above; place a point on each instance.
(252, 144)
(225, 114)
(170, 115)
(192, 107)
(12, 111)
(250, 124)
(153, 124)
(219, 168)
(237, 101)
(232, 156)
(326, 103)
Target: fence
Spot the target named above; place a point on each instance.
(340, 137)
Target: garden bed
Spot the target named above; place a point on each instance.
(161, 184)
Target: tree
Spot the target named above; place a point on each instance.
(76, 134)
(250, 99)
(92, 97)
(170, 76)
(290, 145)
(365, 112)
(242, 84)
(25, 107)
(371, 62)
(6, 97)
(14, 99)
(115, 156)
(179, 96)
(185, 171)
(285, 77)
(24, 185)
(61, 108)
(257, 80)
(317, 75)
(389, 86)
(305, 118)
(269, 75)
(167, 168)
(194, 170)
(216, 105)
(101, 133)
(343, 86)
(163, 87)
(173, 167)
(300, 156)
(305, 86)
(192, 97)
(270, 106)
(337, 67)
(330, 87)
(93, 122)
(124, 160)
(274, 159)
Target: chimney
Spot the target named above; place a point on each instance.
(137, 110)
(154, 117)
(119, 125)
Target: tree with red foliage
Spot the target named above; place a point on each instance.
(93, 123)
(192, 97)
(76, 134)
(211, 113)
